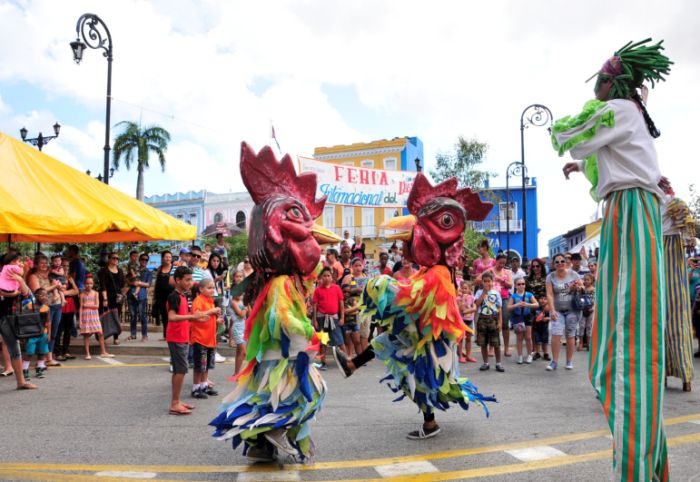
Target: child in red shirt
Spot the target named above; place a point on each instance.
(178, 336)
(328, 312)
(203, 338)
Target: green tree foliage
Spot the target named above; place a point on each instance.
(238, 244)
(135, 145)
(463, 164)
(239, 247)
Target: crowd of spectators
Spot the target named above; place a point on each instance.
(545, 306)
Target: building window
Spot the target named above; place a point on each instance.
(218, 218)
(329, 217)
(368, 163)
(368, 226)
(240, 219)
(390, 163)
(503, 211)
(390, 213)
(349, 218)
(180, 217)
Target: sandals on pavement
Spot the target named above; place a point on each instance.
(106, 355)
(88, 357)
(179, 411)
(27, 386)
(7, 373)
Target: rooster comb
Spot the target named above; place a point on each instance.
(423, 192)
(265, 176)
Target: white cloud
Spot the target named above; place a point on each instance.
(436, 70)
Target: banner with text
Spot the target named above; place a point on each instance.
(359, 186)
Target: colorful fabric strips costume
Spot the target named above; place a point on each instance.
(627, 345)
(420, 316)
(679, 231)
(279, 390)
(419, 347)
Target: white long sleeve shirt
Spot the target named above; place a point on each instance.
(625, 153)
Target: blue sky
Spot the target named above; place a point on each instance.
(332, 72)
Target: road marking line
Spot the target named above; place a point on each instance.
(282, 475)
(695, 421)
(521, 467)
(539, 452)
(406, 468)
(342, 464)
(110, 361)
(127, 475)
(49, 476)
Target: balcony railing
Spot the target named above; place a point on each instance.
(498, 225)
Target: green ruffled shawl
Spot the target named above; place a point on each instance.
(591, 109)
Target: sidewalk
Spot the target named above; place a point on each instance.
(151, 347)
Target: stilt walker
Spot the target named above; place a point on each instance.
(421, 318)
(679, 232)
(613, 137)
(279, 390)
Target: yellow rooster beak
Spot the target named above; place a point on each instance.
(403, 225)
(323, 235)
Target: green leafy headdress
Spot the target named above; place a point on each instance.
(631, 65)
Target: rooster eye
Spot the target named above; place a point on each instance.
(446, 220)
(295, 213)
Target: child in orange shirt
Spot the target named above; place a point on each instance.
(203, 338)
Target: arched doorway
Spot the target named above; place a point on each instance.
(240, 219)
(218, 218)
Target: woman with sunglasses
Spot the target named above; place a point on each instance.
(536, 280)
(562, 283)
(112, 287)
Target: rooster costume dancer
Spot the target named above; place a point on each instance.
(278, 391)
(421, 316)
(614, 136)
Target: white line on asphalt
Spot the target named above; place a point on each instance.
(127, 475)
(406, 468)
(540, 452)
(281, 475)
(110, 361)
(697, 422)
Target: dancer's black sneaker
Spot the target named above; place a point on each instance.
(423, 433)
(341, 359)
(279, 439)
(261, 454)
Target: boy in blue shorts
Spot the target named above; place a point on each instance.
(489, 305)
(38, 345)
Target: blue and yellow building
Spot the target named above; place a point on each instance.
(400, 153)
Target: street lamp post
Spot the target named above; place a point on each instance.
(99, 176)
(89, 28)
(515, 168)
(536, 115)
(41, 140)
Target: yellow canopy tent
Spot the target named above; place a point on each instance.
(43, 200)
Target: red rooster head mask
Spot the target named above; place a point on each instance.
(283, 236)
(434, 231)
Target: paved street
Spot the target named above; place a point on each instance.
(99, 421)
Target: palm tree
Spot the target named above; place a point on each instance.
(141, 142)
